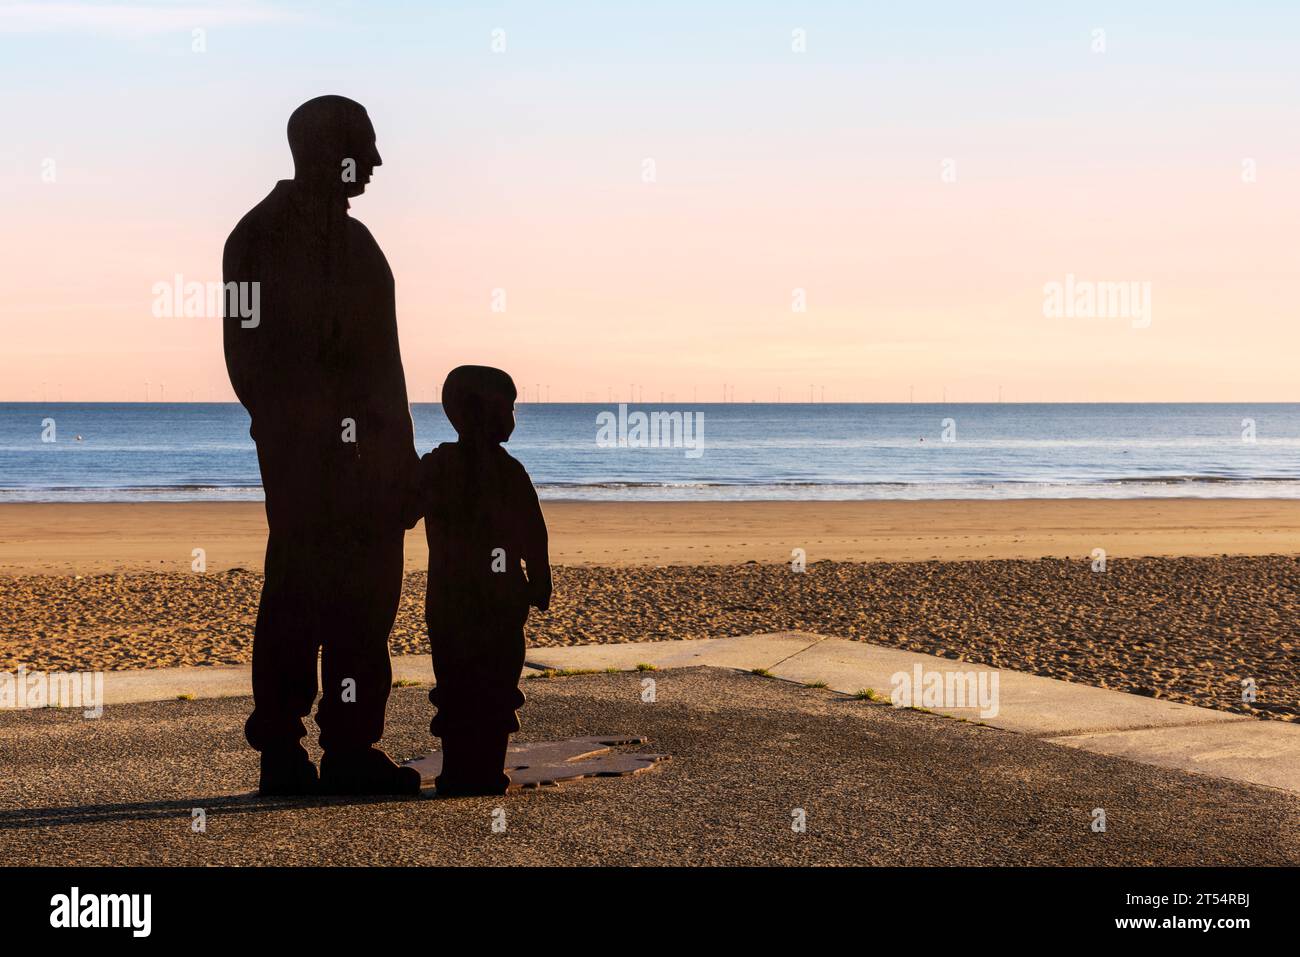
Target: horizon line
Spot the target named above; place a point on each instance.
(236, 402)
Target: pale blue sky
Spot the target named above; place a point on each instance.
(776, 170)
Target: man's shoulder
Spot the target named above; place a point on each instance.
(361, 239)
(358, 228)
(263, 219)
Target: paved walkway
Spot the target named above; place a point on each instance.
(762, 772)
(222, 681)
(1142, 729)
(1138, 728)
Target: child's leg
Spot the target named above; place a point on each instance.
(477, 700)
(474, 747)
(458, 699)
(490, 753)
(453, 780)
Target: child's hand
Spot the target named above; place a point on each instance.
(541, 599)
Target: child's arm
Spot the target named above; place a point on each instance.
(425, 489)
(537, 554)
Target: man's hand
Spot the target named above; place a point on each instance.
(414, 493)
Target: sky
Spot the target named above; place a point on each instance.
(687, 200)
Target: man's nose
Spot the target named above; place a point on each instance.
(378, 159)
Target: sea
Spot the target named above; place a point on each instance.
(189, 451)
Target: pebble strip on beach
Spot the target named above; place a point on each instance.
(1184, 629)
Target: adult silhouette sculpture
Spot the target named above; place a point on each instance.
(320, 373)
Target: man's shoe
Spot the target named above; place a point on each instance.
(287, 773)
(370, 771)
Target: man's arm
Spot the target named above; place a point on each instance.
(428, 488)
(245, 360)
(382, 381)
(268, 354)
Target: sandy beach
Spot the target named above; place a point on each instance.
(92, 539)
(1196, 595)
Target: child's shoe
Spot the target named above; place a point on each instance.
(473, 766)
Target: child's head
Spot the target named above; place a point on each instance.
(480, 401)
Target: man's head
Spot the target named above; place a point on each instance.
(333, 145)
(480, 401)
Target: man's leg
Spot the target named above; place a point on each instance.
(356, 673)
(284, 669)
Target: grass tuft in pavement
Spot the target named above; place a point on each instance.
(570, 672)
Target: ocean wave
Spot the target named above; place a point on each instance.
(1126, 487)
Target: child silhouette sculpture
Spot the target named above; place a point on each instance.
(488, 563)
